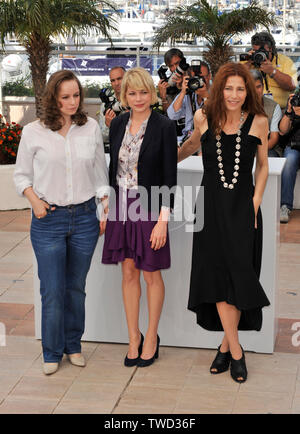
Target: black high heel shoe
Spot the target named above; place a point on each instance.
(238, 369)
(221, 362)
(142, 363)
(132, 362)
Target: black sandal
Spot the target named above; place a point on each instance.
(221, 362)
(238, 369)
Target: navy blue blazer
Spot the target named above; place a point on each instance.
(157, 163)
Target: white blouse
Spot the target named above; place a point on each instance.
(62, 170)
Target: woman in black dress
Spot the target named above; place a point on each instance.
(225, 292)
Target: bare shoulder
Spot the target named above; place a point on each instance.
(260, 128)
(261, 121)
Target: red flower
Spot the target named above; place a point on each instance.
(10, 138)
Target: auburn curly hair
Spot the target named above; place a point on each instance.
(214, 107)
(52, 117)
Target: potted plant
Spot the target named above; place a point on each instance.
(10, 135)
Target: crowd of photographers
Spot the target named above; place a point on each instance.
(183, 89)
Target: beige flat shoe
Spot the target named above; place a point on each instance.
(50, 368)
(77, 360)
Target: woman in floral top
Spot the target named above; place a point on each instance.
(143, 157)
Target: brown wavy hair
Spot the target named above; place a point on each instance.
(51, 112)
(215, 109)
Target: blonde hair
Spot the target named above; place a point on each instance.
(137, 79)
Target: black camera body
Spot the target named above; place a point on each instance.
(257, 57)
(110, 101)
(295, 100)
(195, 83)
(162, 73)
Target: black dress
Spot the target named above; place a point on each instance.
(227, 252)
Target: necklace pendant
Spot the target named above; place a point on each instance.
(236, 160)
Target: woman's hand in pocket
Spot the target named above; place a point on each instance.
(40, 208)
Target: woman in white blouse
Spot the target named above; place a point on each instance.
(61, 170)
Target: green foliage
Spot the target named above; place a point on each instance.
(17, 88)
(35, 22)
(48, 18)
(92, 89)
(202, 20)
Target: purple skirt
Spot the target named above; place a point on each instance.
(127, 237)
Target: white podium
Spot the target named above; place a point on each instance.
(105, 317)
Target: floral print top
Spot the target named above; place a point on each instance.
(127, 174)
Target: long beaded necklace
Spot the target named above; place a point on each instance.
(236, 160)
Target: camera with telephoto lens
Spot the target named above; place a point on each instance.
(162, 73)
(180, 70)
(110, 101)
(257, 57)
(197, 81)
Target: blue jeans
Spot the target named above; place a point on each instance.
(288, 176)
(64, 242)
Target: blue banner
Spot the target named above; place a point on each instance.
(103, 66)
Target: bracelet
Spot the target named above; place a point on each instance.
(290, 115)
(273, 72)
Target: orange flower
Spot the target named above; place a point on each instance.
(1, 141)
(13, 154)
(10, 138)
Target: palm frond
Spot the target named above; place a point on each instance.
(202, 20)
(51, 17)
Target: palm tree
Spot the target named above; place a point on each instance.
(201, 19)
(34, 22)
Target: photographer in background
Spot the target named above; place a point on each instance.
(273, 111)
(116, 75)
(111, 105)
(169, 87)
(195, 88)
(278, 70)
(290, 127)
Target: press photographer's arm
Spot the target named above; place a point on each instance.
(287, 120)
(191, 145)
(284, 81)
